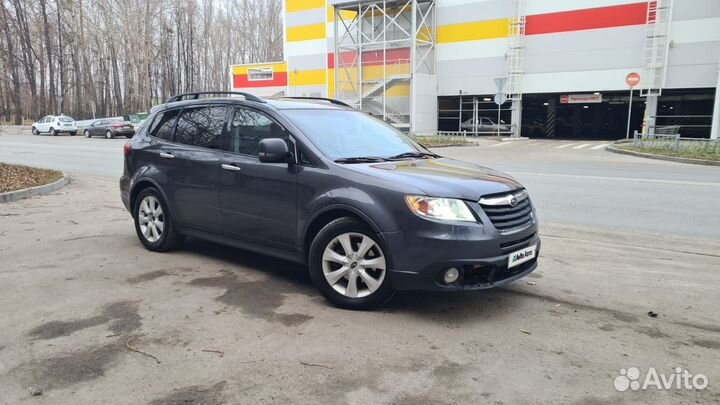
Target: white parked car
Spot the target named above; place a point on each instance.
(55, 124)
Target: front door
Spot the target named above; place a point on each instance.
(44, 124)
(258, 200)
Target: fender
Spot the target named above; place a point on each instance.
(336, 206)
(139, 178)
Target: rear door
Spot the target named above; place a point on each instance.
(258, 200)
(196, 165)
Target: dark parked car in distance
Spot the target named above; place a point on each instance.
(109, 128)
(366, 208)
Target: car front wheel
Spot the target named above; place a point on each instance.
(153, 222)
(35, 131)
(349, 265)
(108, 135)
(87, 133)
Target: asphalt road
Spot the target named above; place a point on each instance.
(571, 182)
(89, 316)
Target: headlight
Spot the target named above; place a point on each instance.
(444, 209)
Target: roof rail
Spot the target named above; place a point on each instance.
(329, 100)
(197, 94)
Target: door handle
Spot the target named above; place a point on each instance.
(231, 168)
(167, 155)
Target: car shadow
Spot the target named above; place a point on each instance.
(284, 270)
(454, 307)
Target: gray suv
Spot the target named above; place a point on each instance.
(366, 208)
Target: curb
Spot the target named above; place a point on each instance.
(661, 157)
(16, 195)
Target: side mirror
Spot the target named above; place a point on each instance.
(273, 150)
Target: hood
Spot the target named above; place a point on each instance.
(443, 177)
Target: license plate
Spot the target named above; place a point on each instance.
(521, 256)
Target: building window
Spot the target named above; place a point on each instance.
(257, 74)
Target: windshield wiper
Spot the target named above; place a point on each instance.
(361, 159)
(414, 155)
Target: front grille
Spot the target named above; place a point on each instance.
(517, 244)
(506, 217)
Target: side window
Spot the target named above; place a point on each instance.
(163, 124)
(201, 126)
(249, 127)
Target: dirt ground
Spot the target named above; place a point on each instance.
(89, 316)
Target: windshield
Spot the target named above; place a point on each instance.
(341, 134)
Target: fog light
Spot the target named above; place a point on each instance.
(451, 275)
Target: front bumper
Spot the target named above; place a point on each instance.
(421, 253)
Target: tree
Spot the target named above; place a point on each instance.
(91, 58)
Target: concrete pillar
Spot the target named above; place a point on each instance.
(516, 117)
(715, 130)
(551, 116)
(650, 113)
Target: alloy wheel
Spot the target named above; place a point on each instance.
(151, 218)
(354, 265)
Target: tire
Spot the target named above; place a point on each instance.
(35, 131)
(86, 133)
(73, 133)
(108, 135)
(128, 136)
(53, 131)
(329, 244)
(163, 237)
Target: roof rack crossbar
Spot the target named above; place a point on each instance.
(329, 100)
(197, 94)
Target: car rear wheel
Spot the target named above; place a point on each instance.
(53, 131)
(87, 133)
(153, 222)
(73, 133)
(108, 134)
(349, 266)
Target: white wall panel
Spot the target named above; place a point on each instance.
(472, 49)
(701, 30)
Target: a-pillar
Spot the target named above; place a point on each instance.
(516, 117)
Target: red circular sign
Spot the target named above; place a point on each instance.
(632, 79)
(564, 99)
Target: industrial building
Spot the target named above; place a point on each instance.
(559, 68)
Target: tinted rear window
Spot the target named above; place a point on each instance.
(66, 119)
(201, 126)
(163, 125)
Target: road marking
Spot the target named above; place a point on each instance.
(582, 146)
(629, 179)
(564, 146)
(500, 144)
(602, 145)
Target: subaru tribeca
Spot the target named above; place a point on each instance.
(366, 208)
